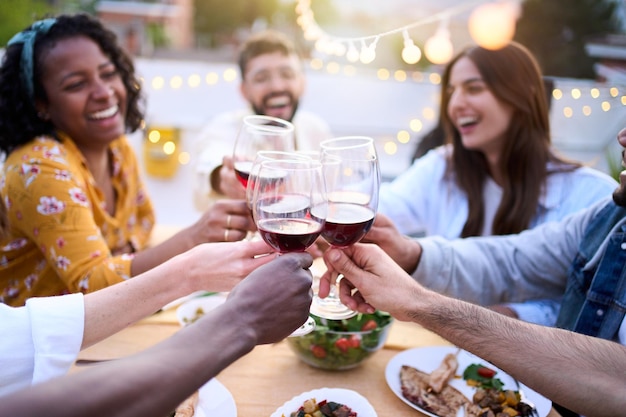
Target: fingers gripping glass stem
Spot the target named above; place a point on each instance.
(331, 306)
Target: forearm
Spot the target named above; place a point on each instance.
(483, 270)
(151, 383)
(582, 373)
(113, 308)
(156, 255)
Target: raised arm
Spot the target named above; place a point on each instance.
(210, 267)
(253, 314)
(231, 215)
(582, 373)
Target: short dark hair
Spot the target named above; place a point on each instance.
(265, 42)
(19, 122)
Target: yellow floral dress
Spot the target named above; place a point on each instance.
(61, 238)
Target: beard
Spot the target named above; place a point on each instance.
(261, 109)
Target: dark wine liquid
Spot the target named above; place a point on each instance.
(347, 223)
(289, 235)
(242, 171)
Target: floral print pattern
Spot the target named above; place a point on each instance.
(62, 239)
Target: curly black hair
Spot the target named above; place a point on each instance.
(19, 122)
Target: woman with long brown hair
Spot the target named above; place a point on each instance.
(498, 172)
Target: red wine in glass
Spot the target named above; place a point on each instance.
(284, 195)
(352, 178)
(289, 234)
(242, 171)
(259, 133)
(347, 223)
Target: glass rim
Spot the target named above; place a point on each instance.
(286, 164)
(359, 142)
(255, 120)
(296, 156)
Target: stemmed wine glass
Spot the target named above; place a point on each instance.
(352, 177)
(262, 156)
(289, 208)
(260, 133)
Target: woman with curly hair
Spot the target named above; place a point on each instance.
(78, 213)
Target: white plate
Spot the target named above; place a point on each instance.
(215, 401)
(189, 309)
(427, 359)
(352, 399)
(181, 300)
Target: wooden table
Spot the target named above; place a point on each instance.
(268, 376)
(271, 374)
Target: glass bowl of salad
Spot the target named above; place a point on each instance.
(342, 344)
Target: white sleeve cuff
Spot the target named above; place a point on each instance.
(57, 325)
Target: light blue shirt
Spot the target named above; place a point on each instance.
(426, 200)
(531, 264)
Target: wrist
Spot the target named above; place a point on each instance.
(214, 179)
(411, 255)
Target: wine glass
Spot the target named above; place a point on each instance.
(262, 156)
(289, 208)
(259, 133)
(352, 178)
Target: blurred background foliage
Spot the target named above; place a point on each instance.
(554, 30)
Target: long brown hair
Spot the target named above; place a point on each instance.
(513, 76)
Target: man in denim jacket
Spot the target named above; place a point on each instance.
(582, 257)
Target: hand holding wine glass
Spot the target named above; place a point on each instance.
(289, 207)
(352, 177)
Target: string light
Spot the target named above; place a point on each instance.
(411, 54)
(368, 53)
(571, 99)
(492, 25)
(438, 48)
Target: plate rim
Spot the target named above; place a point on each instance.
(368, 411)
(392, 368)
(210, 388)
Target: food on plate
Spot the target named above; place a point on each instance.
(490, 398)
(446, 370)
(477, 375)
(415, 388)
(188, 407)
(197, 314)
(497, 403)
(311, 408)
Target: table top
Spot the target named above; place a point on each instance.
(270, 375)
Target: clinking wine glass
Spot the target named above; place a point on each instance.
(262, 156)
(352, 177)
(260, 133)
(289, 208)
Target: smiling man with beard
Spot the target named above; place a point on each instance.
(272, 82)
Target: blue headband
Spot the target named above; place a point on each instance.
(27, 37)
